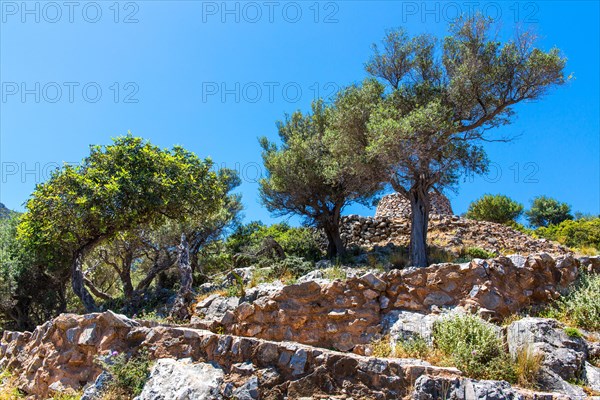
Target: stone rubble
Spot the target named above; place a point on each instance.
(449, 232)
(397, 206)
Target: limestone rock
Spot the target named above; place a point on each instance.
(564, 356)
(401, 324)
(94, 390)
(179, 380)
(212, 311)
(592, 376)
(248, 391)
(434, 388)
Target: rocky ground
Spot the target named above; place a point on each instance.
(316, 338)
(313, 339)
(449, 232)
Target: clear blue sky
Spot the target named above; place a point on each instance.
(213, 76)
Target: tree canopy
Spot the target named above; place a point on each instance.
(495, 208)
(320, 167)
(546, 211)
(117, 188)
(443, 99)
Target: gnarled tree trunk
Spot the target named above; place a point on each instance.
(335, 245)
(78, 281)
(419, 205)
(180, 309)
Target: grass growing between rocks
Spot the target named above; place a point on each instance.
(10, 391)
(580, 307)
(471, 345)
(527, 367)
(8, 387)
(129, 374)
(474, 347)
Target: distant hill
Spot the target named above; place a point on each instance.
(5, 212)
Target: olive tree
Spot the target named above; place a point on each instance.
(115, 189)
(137, 256)
(443, 100)
(313, 174)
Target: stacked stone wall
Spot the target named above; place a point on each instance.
(397, 206)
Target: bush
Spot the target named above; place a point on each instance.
(129, 373)
(579, 233)
(413, 347)
(495, 208)
(292, 267)
(8, 386)
(382, 347)
(581, 306)
(473, 347)
(476, 252)
(546, 211)
(296, 241)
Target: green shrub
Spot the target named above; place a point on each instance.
(581, 306)
(129, 373)
(579, 233)
(474, 348)
(296, 241)
(476, 252)
(546, 211)
(292, 266)
(335, 272)
(495, 208)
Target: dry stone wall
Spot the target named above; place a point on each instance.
(397, 206)
(344, 315)
(59, 355)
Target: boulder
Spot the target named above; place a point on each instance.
(400, 324)
(247, 391)
(592, 376)
(564, 356)
(213, 310)
(94, 390)
(182, 380)
(435, 388)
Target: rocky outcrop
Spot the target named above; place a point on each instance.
(183, 379)
(342, 314)
(397, 206)
(450, 232)
(454, 388)
(60, 354)
(564, 356)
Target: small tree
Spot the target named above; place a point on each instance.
(442, 103)
(29, 294)
(495, 208)
(546, 211)
(117, 188)
(311, 175)
(578, 233)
